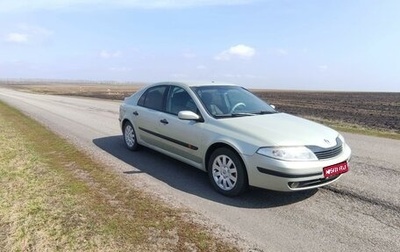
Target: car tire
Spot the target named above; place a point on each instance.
(227, 172)
(130, 138)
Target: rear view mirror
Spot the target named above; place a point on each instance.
(188, 115)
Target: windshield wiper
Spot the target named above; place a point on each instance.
(265, 112)
(242, 114)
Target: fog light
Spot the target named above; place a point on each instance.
(294, 184)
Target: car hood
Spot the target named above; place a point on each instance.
(279, 129)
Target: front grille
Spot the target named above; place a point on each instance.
(326, 153)
(329, 153)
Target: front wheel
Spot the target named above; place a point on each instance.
(130, 137)
(227, 172)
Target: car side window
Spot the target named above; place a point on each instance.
(179, 99)
(153, 98)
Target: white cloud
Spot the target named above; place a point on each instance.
(108, 55)
(240, 51)
(201, 67)
(15, 5)
(18, 38)
(28, 34)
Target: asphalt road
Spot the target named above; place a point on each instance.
(360, 212)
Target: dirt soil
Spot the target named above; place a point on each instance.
(371, 110)
(380, 111)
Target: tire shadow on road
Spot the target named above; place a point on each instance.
(191, 180)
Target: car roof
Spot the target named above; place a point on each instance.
(194, 83)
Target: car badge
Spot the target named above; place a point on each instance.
(327, 141)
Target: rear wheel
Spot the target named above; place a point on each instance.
(130, 137)
(227, 172)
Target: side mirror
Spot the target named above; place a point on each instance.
(272, 106)
(188, 115)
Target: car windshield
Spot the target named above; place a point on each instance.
(231, 101)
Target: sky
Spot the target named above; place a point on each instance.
(339, 45)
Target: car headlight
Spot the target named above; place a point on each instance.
(296, 153)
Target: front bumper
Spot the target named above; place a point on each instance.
(281, 175)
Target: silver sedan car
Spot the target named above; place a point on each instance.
(238, 138)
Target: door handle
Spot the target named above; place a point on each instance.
(135, 113)
(164, 121)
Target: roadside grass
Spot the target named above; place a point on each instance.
(54, 197)
(355, 128)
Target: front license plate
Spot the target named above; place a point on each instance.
(336, 169)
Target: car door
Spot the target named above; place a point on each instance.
(180, 137)
(147, 113)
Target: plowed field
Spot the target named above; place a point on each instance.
(372, 110)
